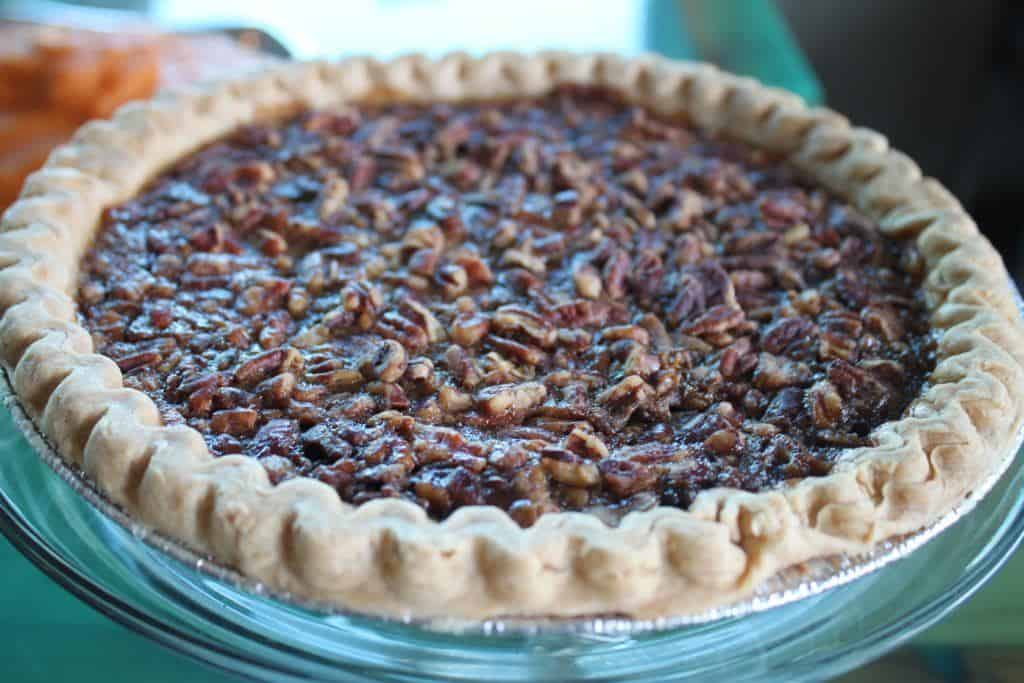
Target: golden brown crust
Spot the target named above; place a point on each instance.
(387, 556)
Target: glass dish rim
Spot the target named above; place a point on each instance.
(794, 583)
(268, 658)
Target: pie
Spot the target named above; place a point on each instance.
(512, 335)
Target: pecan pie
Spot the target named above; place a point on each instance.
(512, 335)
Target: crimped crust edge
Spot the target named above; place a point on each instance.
(388, 557)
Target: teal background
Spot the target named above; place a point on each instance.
(49, 636)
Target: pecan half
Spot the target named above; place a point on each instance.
(776, 372)
(584, 442)
(826, 404)
(513, 320)
(387, 362)
(514, 399)
(586, 280)
(234, 421)
(624, 477)
(569, 468)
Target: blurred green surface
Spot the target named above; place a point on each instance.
(49, 636)
(748, 37)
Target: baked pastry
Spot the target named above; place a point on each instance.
(516, 335)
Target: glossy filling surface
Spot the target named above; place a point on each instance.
(556, 304)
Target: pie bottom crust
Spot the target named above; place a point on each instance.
(387, 556)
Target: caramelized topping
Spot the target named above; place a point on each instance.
(561, 304)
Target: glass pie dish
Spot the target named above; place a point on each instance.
(809, 623)
(211, 607)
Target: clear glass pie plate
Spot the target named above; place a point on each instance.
(808, 623)
(124, 573)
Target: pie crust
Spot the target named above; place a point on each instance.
(387, 556)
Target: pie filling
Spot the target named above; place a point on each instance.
(555, 304)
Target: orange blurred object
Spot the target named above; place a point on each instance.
(54, 79)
